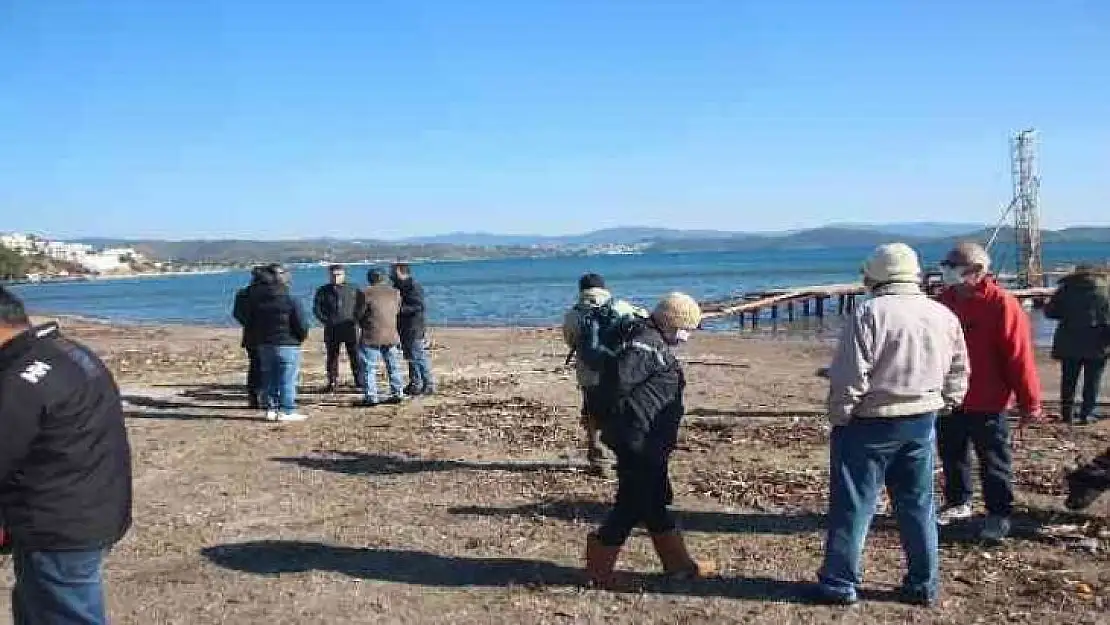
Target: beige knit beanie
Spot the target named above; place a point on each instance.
(896, 262)
(678, 311)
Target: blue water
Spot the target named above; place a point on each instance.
(524, 292)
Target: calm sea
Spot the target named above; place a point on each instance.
(519, 292)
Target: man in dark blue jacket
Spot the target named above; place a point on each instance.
(65, 470)
(242, 296)
(410, 323)
(338, 306)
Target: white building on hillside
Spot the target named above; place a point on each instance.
(17, 242)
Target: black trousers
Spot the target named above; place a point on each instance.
(254, 372)
(989, 434)
(643, 496)
(336, 338)
(1092, 370)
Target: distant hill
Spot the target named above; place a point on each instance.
(462, 246)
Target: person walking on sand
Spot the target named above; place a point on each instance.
(410, 325)
(239, 311)
(595, 306)
(65, 470)
(280, 328)
(1081, 305)
(380, 339)
(901, 359)
(642, 385)
(1003, 366)
(337, 306)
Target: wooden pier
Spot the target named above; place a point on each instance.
(818, 301)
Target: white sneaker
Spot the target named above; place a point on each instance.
(287, 417)
(271, 415)
(950, 514)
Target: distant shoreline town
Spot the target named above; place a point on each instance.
(30, 258)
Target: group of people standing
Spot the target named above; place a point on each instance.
(912, 378)
(378, 324)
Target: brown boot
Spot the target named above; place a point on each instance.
(676, 560)
(600, 562)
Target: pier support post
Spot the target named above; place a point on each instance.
(755, 319)
(842, 304)
(790, 311)
(820, 305)
(775, 313)
(805, 307)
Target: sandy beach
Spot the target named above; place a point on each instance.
(473, 506)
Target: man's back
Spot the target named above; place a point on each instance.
(905, 356)
(65, 460)
(379, 318)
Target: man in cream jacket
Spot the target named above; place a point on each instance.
(900, 361)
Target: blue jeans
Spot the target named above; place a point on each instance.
(420, 365)
(864, 455)
(370, 356)
(58, 588)
(280, 366)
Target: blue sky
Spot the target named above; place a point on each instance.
(385, 118)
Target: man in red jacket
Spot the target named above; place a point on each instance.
(1000, 350)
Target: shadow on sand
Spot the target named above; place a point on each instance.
(693, 521)
(427, 569)
(356, 463)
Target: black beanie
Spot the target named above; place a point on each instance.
(591, 281)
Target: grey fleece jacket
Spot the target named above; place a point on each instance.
(900, 354)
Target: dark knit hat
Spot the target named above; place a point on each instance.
(591, 281)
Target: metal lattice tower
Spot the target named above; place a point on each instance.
(1027, 211)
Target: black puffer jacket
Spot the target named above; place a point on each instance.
(274, 317)
(410, 321)
(1081, 305)
(337, 305)
(641, 391)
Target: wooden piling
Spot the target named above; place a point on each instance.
(790, 311)
(805, 307)
(842, 304)
(820, 305)
(775, 313)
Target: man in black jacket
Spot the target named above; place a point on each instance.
(641, 395)
(65, 470)
(254, 383)
(410, 323)
(338, 306)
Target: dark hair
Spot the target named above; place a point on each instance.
(375, 276)
(591, 281)
(12, 313)
(335, 268)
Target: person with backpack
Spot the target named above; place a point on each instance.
(1081, 306)
(595, 312)
(640, 393)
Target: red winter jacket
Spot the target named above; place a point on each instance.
(1000, 349)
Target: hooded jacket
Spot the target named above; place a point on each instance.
(901, 354)
(1081, 305)
(274, 316)
(572, 322)
(1000, 349)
